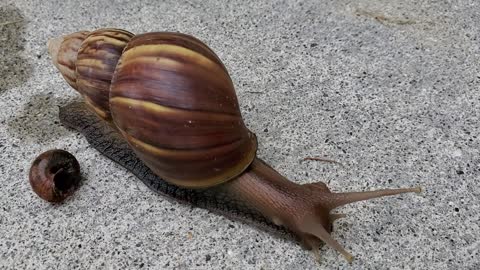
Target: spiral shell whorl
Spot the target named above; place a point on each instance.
(173, 100)
(97, 58)
(64, 52)
(87, 61)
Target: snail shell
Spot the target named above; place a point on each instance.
(170, 97)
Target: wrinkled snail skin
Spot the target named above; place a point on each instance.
(171, 99)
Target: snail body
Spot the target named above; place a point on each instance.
(171, 98)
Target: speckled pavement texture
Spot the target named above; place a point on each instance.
(388, 88)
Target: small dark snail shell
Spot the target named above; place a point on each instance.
(54, 175)
(172, 99)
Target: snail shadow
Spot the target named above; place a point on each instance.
(14, 67)
(37, 121)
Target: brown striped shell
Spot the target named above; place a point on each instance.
(173, 100)
(87, 61)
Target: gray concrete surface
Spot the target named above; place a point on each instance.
(389, 88)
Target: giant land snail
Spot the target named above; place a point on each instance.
(171, 99)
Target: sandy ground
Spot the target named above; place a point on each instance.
(388, 88)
